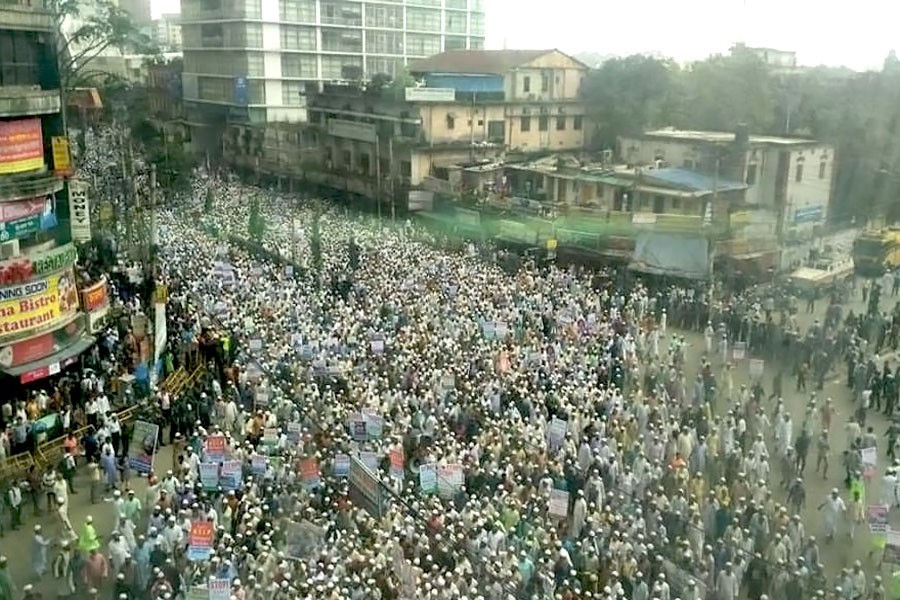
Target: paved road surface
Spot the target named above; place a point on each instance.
(17, 545)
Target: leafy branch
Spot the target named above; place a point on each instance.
(85, 30)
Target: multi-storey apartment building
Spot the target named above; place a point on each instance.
(42, 211)
(791, 177)
(249, 60)
(468, 107)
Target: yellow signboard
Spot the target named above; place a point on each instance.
(62, 160)
(37, 304)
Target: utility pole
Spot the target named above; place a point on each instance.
(154, 228)
(391, 186)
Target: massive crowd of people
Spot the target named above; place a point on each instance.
(403, 421)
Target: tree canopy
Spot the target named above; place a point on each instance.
(256, 227)
(859, 113)
(86, 29)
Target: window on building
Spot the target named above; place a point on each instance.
(751, 174)
(405, 168)
(384, 42)
(423, 19)
(496, 130)
(19, 58)
(243, 35)
(451, 122)
(256, 66)
(659, 204)
(798, 174)
(333, 66)
(298, 65)
(525, 124)
(526, 84)
(215, 89)
(341, 13)
(454, 42)
(253, 9)
(256, 91)
(545, 82)
(823, 168)
(294, 37)
(298, 11)
(291, 93)
(476, 43)
(476, 23)
(560, 123)
(458, 4)
(364, 163)
(380, 64)
(576, 122)
(342, 40)
(418, 44)
(455, 22)
(384, 17)
(212, 35)
(676, 203)
(543, 123)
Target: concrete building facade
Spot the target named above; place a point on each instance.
(791, 176)
(43, 325)
(248, 61)
(469, 107)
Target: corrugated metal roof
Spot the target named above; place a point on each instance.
(690, 180)
(486, 62)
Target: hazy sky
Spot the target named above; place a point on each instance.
(857, 34)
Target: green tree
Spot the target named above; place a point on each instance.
(87, 29)
(256, 227)
(209, 201)
(722, 91)
(628, 95)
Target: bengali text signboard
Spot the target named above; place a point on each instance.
(21, 146)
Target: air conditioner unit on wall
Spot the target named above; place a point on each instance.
(9, 249)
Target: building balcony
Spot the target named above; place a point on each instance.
(26, 15)
(18, 101)
(20, 187)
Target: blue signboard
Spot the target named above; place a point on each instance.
(241, 91)
(809, 214)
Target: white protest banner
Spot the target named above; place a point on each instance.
(869, 458)
(220, 588)
(559, 504)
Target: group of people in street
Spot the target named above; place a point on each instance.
(435, 426)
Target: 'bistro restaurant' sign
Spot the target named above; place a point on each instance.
(37, 304)
(22, 268)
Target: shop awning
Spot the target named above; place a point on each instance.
(52, 364)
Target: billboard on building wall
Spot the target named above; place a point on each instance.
(241, 91)
(95, 297)
(38, 304)
(426, 94)
(352, 130)
(37, 347)
(21, 146)
(62, 160)
(23, 268)
(79, 210)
